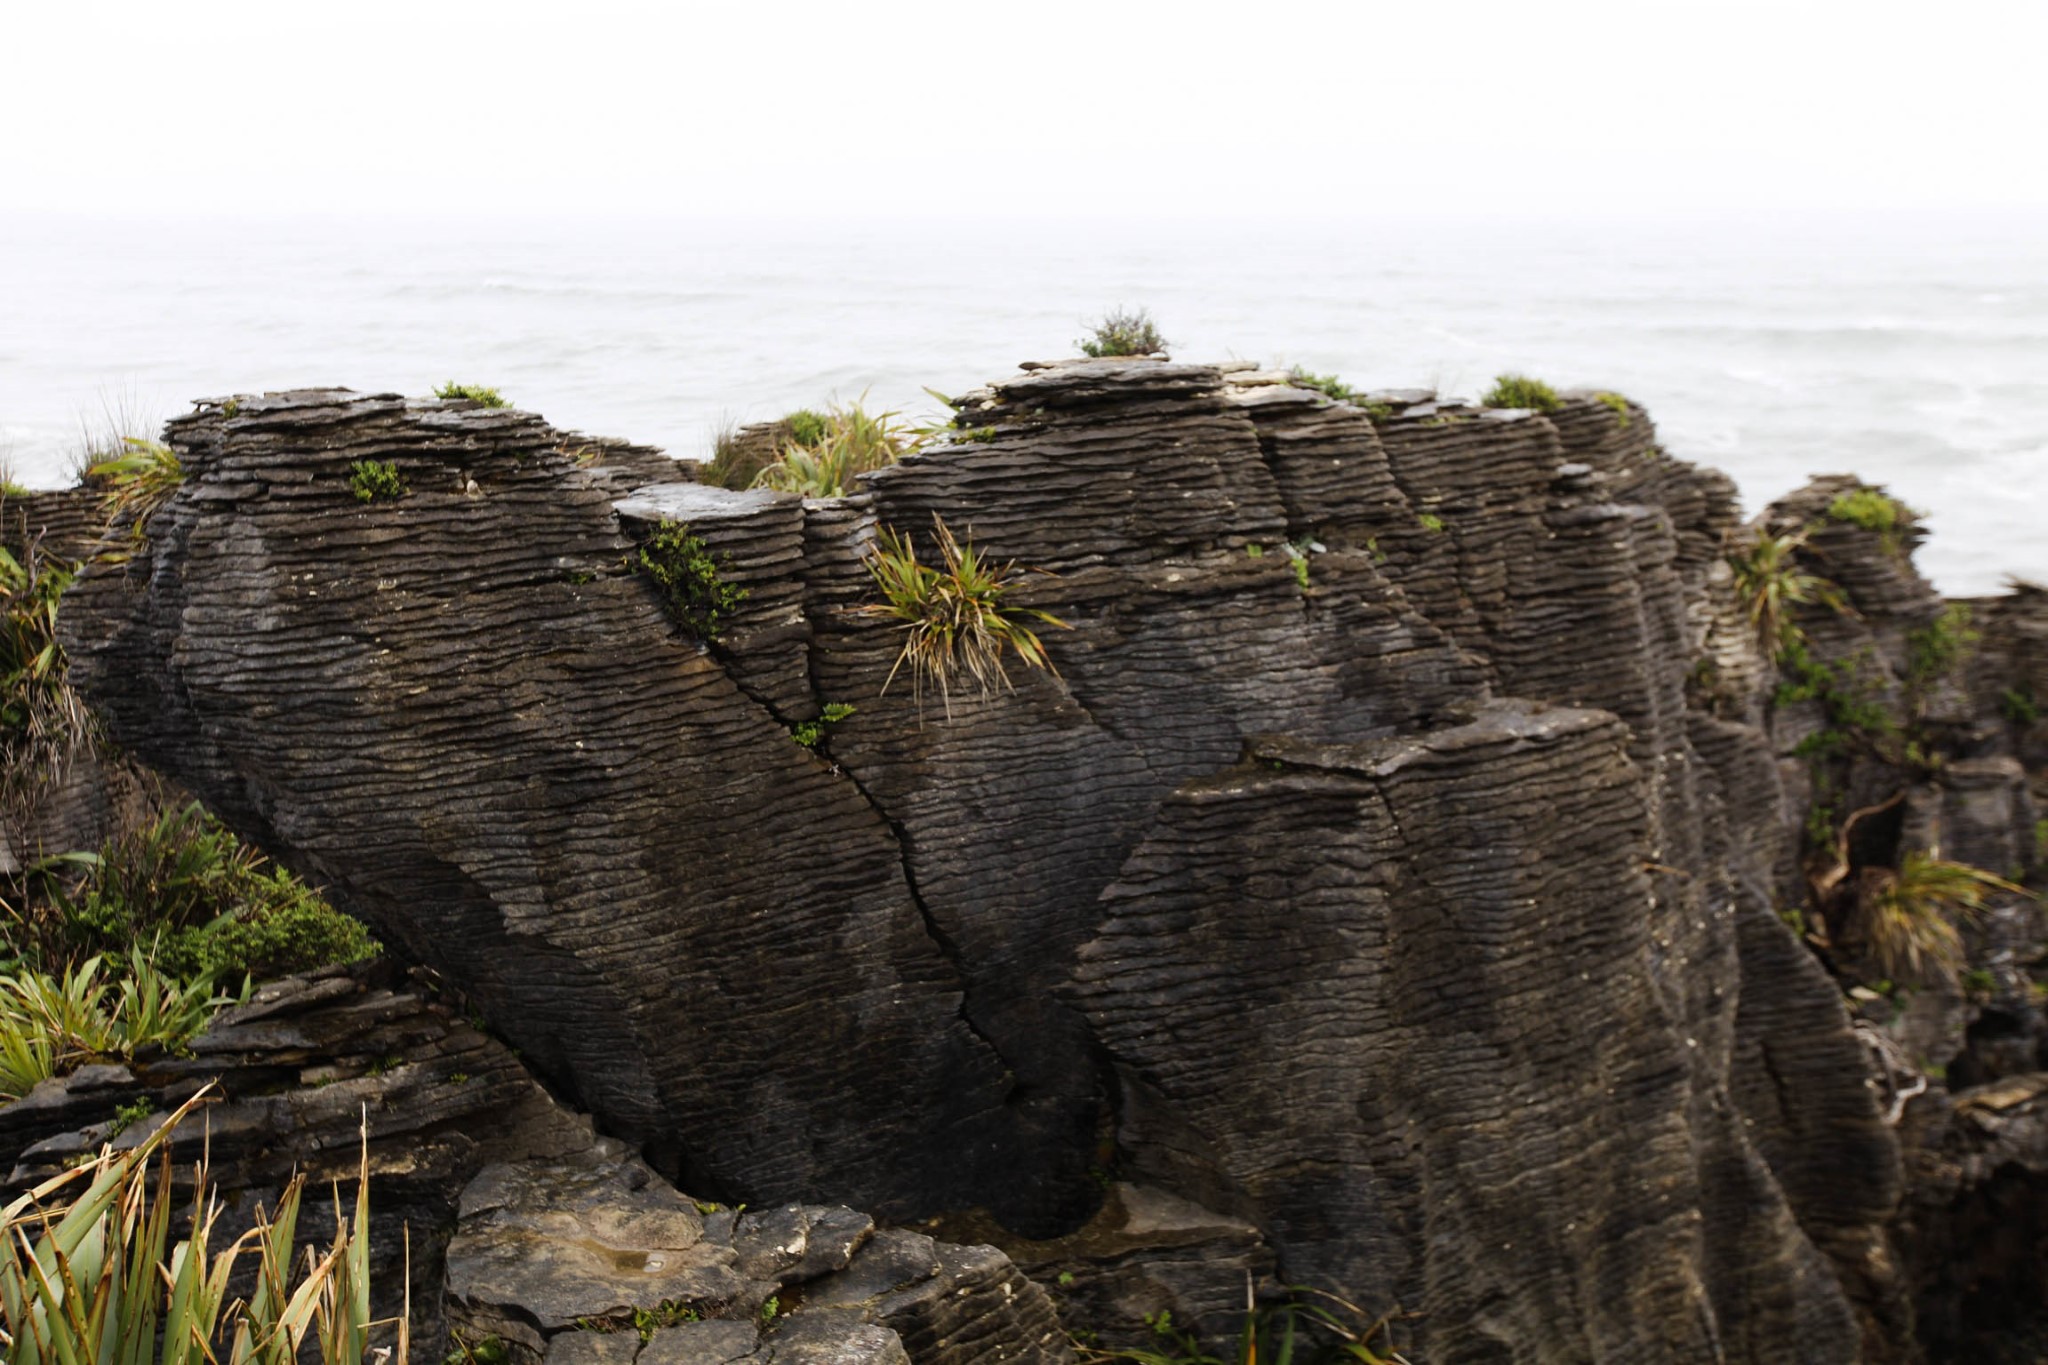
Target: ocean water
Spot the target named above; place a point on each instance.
(1911, 351)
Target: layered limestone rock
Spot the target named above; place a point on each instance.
(1373, 879)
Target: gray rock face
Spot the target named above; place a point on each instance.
(593, 1260)
(1468, 1005)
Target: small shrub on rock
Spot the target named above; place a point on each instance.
(1122, 333)
(474, 393)
(1520, 391)
(376, 481)
(134, 483)
(681, 568)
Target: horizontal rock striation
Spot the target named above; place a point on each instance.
(1376, 880)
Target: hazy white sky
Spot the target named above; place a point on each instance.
(1120, 107)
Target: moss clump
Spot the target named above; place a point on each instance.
(1123, 333)
(808, 427)
(1872, 510)
(1431, 522)
(474, 393)
(1619, 405)
(375, 481)
(1520, 391)
(1935, 651)
(811, 733)
(692, 593)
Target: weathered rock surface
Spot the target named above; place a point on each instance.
(594, 1258)
(1379, 875)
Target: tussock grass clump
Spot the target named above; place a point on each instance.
(1769, 582)
(52, 1023)
(89, 1271)
(474, 393)
(826, 453)
(1909, 914)
(957, 626)
(1122, 333)
(135, 483)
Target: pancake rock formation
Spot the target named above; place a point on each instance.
(1380, 894)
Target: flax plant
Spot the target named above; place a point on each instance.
(956, 624)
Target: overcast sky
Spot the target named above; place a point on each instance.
(1112, 107)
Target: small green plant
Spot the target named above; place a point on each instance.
(811, 733)
(1066, 1280)
(134, 484)
(1909, 913)
(1870, 509)
(682, 570)
(771, 1310)
(42, 720)
(1935, 651)
(231, 409)
(1769, 582)
(1329, 385)
(376, 480)
(667, 1313)
(89, 1274)
(127, 1116)
(1122, 333)
(1297, 552)
(824, 454)
(1520, 391)
(2018, 706)
(459, 1078)
(1619, 405)
(1979, 983)
(1431, 522)
(490, 1350)
(474, 393)
(53, 1024)
(956, 623)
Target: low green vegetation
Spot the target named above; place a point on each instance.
(90, 1275)
(52, 1023)
(209, 905)
(1329, 385)
(812, 733)
(1122, 333)
(474, 393)
(824, 454)
(376, 481)
(1310, 1327)
(1430, 522)
(1619, 405)
(2018, 706)
(1872, 510)
(1520, 391)
(957, 624)
(488, 1350)
(684, 574)
(42, 720)
(137, 481)
(1938, 649)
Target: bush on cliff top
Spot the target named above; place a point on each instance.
(824, 454)
(1122, 333)
(138, 481)
(1520, 391)
(42, 721)
(474, 393)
